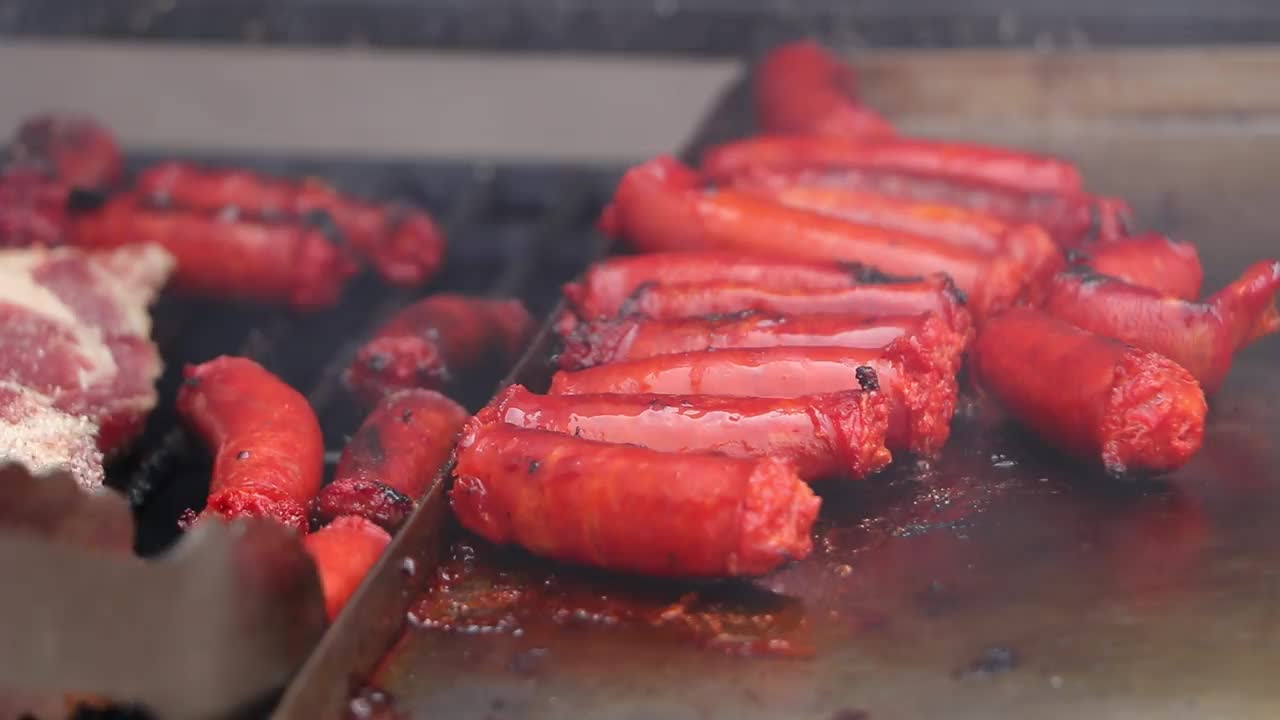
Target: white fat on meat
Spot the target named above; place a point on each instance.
(75, 326)
(43, 439)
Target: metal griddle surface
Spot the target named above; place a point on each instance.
(1002, 581)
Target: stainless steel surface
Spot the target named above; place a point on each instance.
(217, 624)
(1002, 581)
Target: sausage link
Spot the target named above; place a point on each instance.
(221, 256)
(404, 245)
(658, 207)
(71, 149)
(1090, 396)
(268, 449)
(1201, 336)
(391, 460)
(33, 208)
(820, 435)
(918, 381)
(430, 343)
(802, 88)
(981, 164)
(344, 552)
(954, 224)
(607, 341)
(1152, 261)
(1071, 219)
(628, 508)
(606, 285)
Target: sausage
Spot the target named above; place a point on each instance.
(1152, 261)
(1201, 336)
(430, 343)
(820, 435)
(344, 552)
(219, 255)
(631, 509)
(71, 149)
(607, 341)
(33, 208)
(934, 294)
(802, 88)
(965, 162)
(268, 449)
(606, 285)
(404, 245)
(391, 460)
(953, 224)
(1071, 219)
(658, 207)
(918, 381)
(1092, 397)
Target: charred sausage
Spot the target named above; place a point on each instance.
(403, 244)
(1151, 261)
(72, 149)
(918, 381)
(821, 435)
(631, 509)
(221, 256)
(802, 88)
(1090, 396)
(268, 449)
(431, 343)
(391, 460)
(1203, 337)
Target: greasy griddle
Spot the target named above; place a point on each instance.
(999, 581)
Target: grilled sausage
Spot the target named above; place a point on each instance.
(628, 508)
(607, 341)
(801, 88)
(954, 224)
(33, 208)
(430, 343)
(71, 149)
(660, 207)
(963, 162)
(821, 435)
(917, 380)
(344, 551)
(1150, 261)
(1201, 336)
(221, 256)
(1090, 396)
(608, 284)
(391, 460)
(268, 449)
(403, 244)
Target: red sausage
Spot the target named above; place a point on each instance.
(403, 244)
(221, 256)
(601, 342)
(1071, 219)
(1090, 396)
(966, 162)
(391, 460)
(430, 343)
(33, 208)
(631, 509)
(72, 149)
(344, 552)
(820, 435)
(268, 449)
(917, 380)
(1201, 336)
(659, 206)
(953, 224)
(608, 284)
(802, 88)
(1150, 261)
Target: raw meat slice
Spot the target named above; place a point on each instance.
(42, 438)
(74, 326)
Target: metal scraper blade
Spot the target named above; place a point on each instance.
(216, 624)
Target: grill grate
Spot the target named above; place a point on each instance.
(514, 231)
